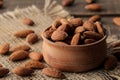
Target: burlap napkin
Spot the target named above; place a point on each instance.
(10, 22)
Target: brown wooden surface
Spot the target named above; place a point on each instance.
(111, 8)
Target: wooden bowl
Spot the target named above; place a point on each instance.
(74, 58)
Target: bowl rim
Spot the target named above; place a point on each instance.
(90, 44)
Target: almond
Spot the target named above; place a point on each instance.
(28, 21)
(110, 62)
(47, 34)
(89, 26)
(23, 33)
(76, 21)
(3, 71)
(32, 38)
(61, 43)
(79, 29)
(87, 41)
(115, 44)
(52, 72)
(22, 71)
(59, 35)
(34, 64)
(65, 21)
(93, 7)
(36, 56)
(116, 20)
(4, 48)
(67, 2)
(92, 35)
(18, 55)
(20, 47)
(100, 28)
(56, 23)
(89, 1)
(64, 27)
(75, 40)
(94, 18)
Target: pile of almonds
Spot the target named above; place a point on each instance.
(75, 31)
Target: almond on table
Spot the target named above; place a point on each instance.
(32, 38)
(67, 2)
(4, 48)
(36, 56)
(3, 71)
(18, 55)
(22, 71)
(52, 72)
(28, 21)
(23, 33)
(116, 21)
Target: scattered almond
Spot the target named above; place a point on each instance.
(75, 40)
(94, 18)
(32, 38)
(18, 55)
(28, 21)
(110, 62)
(89, 1)
(3, 71)
(93, 7)
(23, 33)
(59, 35)
(4, 48)
(116, 20)
(34, 64)
(22, 71)
(67, 2)
(20, 47)
(52, 72)
(36, 56)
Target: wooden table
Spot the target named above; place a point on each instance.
(110, 9)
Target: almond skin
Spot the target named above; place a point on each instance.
(32, 38)
(100, 28)
(59, 35)
(87, 41)
(110, 62)
(20, 47)
(116, 20)
(3, 71)
(79, 29)
(64, 27)
(56, 23)
(52, 72)
(93, 7)
(36, 56)
(34, 64)
(76, 21)
(65, 21)
(28, 21)
(22, 71)
(75, 40)
(67, 2)
(92, 35)
(18, 55)
(94, 18)
(89, 26)
(4, 48)
(23, 33)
